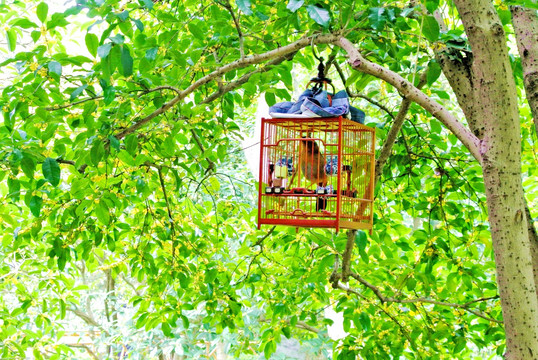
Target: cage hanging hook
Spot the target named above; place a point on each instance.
(321, 66)
(313, 48)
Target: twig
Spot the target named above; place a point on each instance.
(228, 7)
(60, 107)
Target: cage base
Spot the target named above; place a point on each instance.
(342, 224)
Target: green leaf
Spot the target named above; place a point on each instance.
(244, 6)
(377, 17)
(124, 15)
(14, 188)
(151, 54)
(35, 205)
(104, 50)
(361, 240)
(92, 42)
(364, 320)
(55, 67)
(270, 98)
(434, 71)
(97, 152)
(139, 25)
(166, 329)
(51, 171)
(430, 28)
(24, 23)
(261, 16)
(195, 29)
(11, 36)
(432, 5)
(294, 5)
(28, 167)
(286, 331)
(148, 4)
(131, 144)
(117, 39)
(57, 19)
(126, 62)
(42, 11)
(77, 92)
(109, 94)
(319, 15)
(269, 348)
(35, 35)
(114, 142)
(101, 211)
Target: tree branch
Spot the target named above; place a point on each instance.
(300, 324)
(385, 299)
(243, 79)
(358, 62)
(87, 348)
(380, 163)
(238, 64)
(346, 256)
(238, 27)
(60, 107)
(87, 319)
(394, 130)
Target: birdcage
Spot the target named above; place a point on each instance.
(316, 172)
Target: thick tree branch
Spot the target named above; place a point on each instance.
(238, 64)
(304, 326)
(358, 62)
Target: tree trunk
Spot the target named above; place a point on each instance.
(525, 23)
(497, 108)
(458, 71)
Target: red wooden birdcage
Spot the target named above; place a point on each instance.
(316, 172)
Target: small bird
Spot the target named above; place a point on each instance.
(311, 163)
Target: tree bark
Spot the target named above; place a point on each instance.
(458, 72)
(525, 22)
(497, 109)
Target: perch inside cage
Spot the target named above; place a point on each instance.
(316, 172)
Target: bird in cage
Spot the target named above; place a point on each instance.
(311, 163)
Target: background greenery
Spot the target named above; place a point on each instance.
(141, 232)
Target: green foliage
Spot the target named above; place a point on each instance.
(112, 171)
(430, 28)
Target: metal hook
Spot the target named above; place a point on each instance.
(313, 49)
